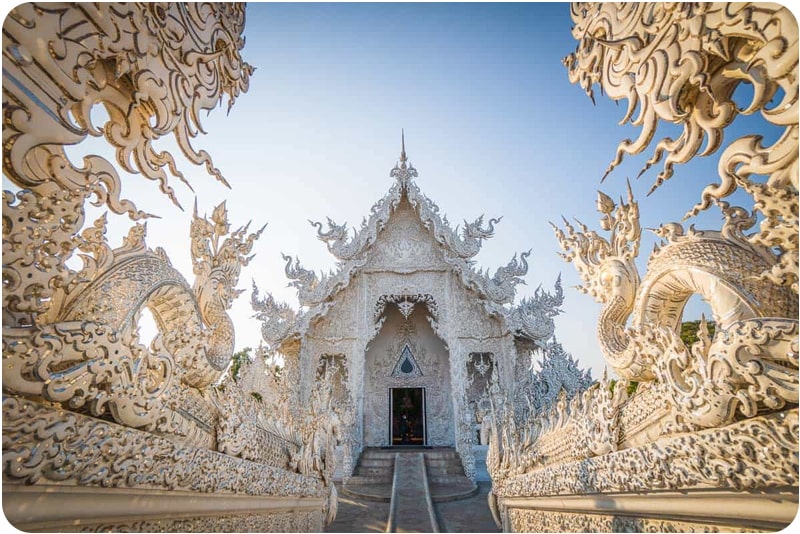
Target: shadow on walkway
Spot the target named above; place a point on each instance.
(467, 515)
(359, 515)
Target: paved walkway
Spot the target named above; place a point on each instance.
(411, 507)
(467, 515)
(359, 515)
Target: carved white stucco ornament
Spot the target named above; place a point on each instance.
(533, 317)
(555, 372)
(85, 403)
(720, 415)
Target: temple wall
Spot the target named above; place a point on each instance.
(692, 434)
(100, 431)
(687, 482)
(99, 476)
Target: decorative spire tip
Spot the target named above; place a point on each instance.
(403, 171)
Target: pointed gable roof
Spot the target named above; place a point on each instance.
(458, 249)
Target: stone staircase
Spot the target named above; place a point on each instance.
(372, 478)
(375, 466)
(444, 465)
(446, 476)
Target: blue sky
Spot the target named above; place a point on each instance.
(491, 123)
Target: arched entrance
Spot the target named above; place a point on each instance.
(407, 390)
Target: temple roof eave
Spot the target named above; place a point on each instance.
(457, 251)
(531, 320)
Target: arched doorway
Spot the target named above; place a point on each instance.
(407, 373)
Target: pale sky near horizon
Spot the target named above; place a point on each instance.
(491, 123)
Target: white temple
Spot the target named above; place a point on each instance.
(411, 331)
(395, 348)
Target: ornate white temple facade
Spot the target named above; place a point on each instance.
(408, 327)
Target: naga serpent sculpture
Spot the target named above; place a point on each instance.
(682, 63)
(720, 266)
(72, 336)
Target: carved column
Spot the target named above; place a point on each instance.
(462, 416)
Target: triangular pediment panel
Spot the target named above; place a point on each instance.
(404, 244)
(406, 366)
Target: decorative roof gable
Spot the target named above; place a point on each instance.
(532, 318)
(458, 249)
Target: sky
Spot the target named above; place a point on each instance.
(491, 123)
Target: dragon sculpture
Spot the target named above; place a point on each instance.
(533, 316)
(546, 378)
(721, 266)
(719, 415)
(682, 63)
(153, 68)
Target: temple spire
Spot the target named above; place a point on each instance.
(403, 172)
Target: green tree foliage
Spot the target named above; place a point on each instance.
(689, 331)
(632, 386)
(237, 360)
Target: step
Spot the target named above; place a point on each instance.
(454, 491)
(447, 479)
(445, 470)
(373, 471)
(367, 479)
(371, 492)
(376, 462)
(442, 454)
(377, 456)
(442, 462)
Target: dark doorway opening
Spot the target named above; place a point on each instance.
(408, 416)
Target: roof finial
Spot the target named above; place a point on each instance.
(403, 171)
